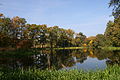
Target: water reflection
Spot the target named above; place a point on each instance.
(87, 59)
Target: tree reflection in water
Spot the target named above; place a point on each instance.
(114, 58)
(57, 59)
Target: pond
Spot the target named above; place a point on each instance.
(86, 59)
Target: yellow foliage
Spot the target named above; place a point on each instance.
(84, 45)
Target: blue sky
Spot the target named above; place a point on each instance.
(87, 16)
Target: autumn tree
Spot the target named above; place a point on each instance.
(5, 31)
(65, 38)
(18, 27)
(16, 33)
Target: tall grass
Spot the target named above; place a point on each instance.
(110, 73)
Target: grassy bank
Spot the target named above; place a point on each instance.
(110, 48)
(69, 48)
(111, 73)
(105, 48)
(61, 48)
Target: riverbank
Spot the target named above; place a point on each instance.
(110, 48)
(62, 48)
(70, 48)
(105, 48)
(110, 73)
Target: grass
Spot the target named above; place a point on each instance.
(63, 48)
(110, 48)
(70, 48)
(110, 73)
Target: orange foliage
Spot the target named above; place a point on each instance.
(25, 44)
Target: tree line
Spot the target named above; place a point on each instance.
(17, 33)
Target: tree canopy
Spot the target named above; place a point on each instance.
(116, 9)
(16, 32)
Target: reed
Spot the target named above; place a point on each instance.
(110, 73)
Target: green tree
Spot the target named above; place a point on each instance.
(42, 35)
(116, 9)
(80, 39)
(112, 32)
(53, 36)
(101, 41)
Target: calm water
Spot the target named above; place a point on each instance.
(62, 59)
